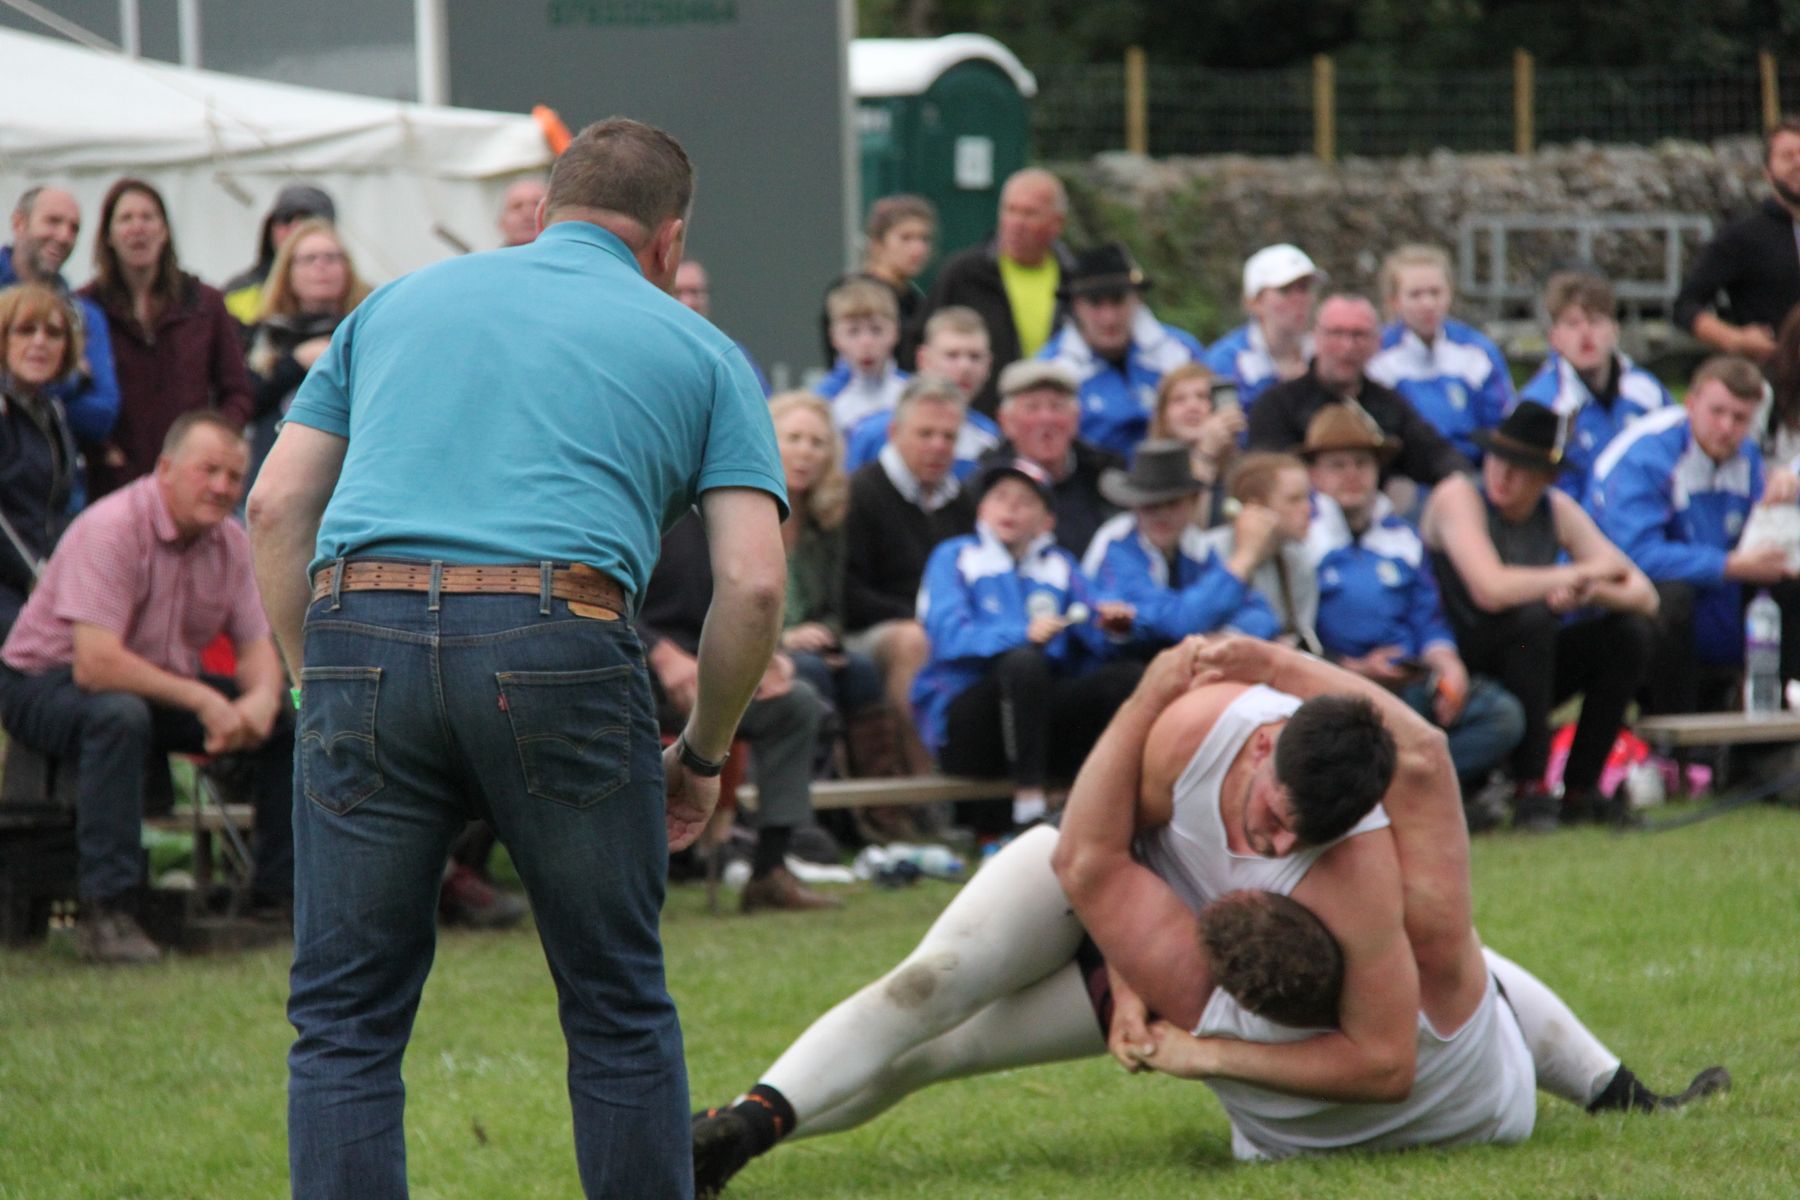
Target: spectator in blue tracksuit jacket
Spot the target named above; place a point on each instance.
(1452, 373)
(1596, 390)
(1011, 689)
(864, 329)
(1155, 561)
(44, 224)
(1674, 492)
(1379, 611)
(955, 351)
(1116, 348)
(1280, 285)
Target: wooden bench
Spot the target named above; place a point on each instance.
(899, 789)
(234, 821)
(1680, 731)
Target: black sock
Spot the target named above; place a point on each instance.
(771, 849)
(768, 1114)
(1625, 1093)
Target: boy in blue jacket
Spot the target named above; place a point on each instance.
(1013, 686)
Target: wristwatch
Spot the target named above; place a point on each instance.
(706, 767)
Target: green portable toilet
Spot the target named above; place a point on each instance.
(945, 118)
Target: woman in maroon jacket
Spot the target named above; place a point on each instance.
(175, 347)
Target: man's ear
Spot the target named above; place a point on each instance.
(669, 241)
(543, 207)
(1261, 747)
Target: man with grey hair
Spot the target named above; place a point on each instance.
(452, 584)
(1012, 279)
(45, 223)
(1039, 416)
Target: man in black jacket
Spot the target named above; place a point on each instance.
(1753, 261)
(901, 506)
(1012, 279)
(1346, 336)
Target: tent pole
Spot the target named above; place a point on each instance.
(130, 40)
(433, 51)
(187, 16)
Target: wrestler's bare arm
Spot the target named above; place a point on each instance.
(1149, 937)
(1355, 890)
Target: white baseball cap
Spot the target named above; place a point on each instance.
(1277, 266)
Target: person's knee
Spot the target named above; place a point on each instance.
(1675, 607)
(903, 647)
(1023, 666)
(116, 717)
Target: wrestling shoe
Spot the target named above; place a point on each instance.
(1625, 1092)
(721, 1149)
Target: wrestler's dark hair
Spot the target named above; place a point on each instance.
(623, 166)
(1336, 759)
(1274, 957)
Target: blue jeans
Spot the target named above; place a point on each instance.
(1484, 733)
(418, 717)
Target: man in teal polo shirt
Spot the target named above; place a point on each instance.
(451, 532)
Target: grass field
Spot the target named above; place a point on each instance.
(1680, 948)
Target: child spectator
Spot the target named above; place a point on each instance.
(1152, 571)
(1008, 690)
(865, 326)
(1276, 484)
(955, 350)
(897, 243)
(1586, 381)
(1451, 372)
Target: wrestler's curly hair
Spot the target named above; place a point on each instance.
(1336, 759)
(1274, 957)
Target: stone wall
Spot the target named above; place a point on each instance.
(1193, 220)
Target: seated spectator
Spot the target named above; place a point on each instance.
(1280, 285)
(955, 350)
(693, 287)
(1151, 570)
(1347, 338)
(1038, 416)
(1185, 411)
(781, 725)
(519, 211)
(1115, 347)
(102, 671)
(1586, 381)
(175, 348)
(898, 239)
(901, 506)
(1673, 491)
(1011, 688)
(818, 496)
(1540, 601)
(295, 203)
(311, 287)
(1452, 373)
(45, 223)
(1273, 490)
(37, 451)
(1379, 613)
(865, 325)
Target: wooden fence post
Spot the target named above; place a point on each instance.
(1324, 108)
(1524, 102)
(1137, 102)
(1771, 90)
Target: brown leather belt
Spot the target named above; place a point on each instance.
(579, 584)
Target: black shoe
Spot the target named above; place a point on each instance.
(1535, 811)
(721, 1149)
(1707, 1083)
(1485, 808)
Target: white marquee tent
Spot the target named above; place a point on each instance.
(220, 146)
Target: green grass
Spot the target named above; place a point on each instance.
(1681, 949)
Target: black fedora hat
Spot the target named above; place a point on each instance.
(1531, 436)
(1104, 269)
(1161, 471)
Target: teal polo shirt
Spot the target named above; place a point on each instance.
(539, 402)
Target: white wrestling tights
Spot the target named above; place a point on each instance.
(1571, 1062)
(993, 985)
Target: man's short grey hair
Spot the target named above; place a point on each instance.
(27, 201)
(928, 389)
(1059, 195)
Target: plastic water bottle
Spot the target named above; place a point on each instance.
(1762, 655)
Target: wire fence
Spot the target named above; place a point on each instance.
(1080, 110)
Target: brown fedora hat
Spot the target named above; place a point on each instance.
(1162, 470)
(1347, 426)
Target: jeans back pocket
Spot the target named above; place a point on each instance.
(338, 768)
(573, 730)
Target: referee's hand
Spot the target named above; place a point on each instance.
(691, 799)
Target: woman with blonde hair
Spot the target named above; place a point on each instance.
(812, 462)
(41, 345)
(312, 286)
(1185, 412)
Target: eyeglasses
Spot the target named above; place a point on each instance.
(29, 329)
(319, 258)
